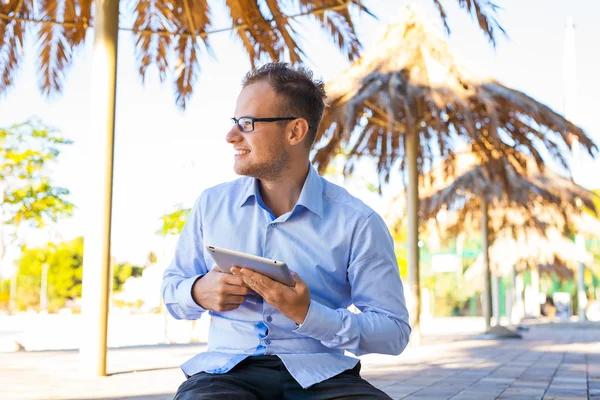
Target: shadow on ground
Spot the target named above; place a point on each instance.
(164, 396)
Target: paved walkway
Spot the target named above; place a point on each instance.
(551, 362)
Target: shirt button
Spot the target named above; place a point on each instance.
(269, 318)
(267, 342)
(274, 224)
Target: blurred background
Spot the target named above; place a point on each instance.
(503, 101)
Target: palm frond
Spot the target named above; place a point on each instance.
(58, 43)
(187, 70)
(485, 12)
(11, 54)
(337, 23)
(79, 12)
(340, 27)
(443, 15)
(281, 22)
(11, 41)
(201, 19)
(264, 28)
(153, 16)
(191, 16)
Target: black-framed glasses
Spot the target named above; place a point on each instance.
(246, 124)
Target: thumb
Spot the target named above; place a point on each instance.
(297, 279)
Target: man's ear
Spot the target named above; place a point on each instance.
(298, 131)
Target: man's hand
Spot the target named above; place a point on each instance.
(218, 291)
(293, 302)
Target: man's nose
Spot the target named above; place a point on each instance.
(234, 135)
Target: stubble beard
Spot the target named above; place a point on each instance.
(269, 170)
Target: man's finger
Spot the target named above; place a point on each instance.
(233, 299)
(228, 307)
(236, 290)
(231, 279)
(259, 279)
(254, 286)
(296, 277)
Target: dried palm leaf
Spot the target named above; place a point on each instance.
(11, 40)
(162, 27)
(154, 16)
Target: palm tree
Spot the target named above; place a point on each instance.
(405, 103)
(537, 201)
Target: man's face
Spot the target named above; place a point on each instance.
(263, 153)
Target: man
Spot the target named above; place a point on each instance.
(268, 340)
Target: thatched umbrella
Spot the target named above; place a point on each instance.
(405, 103)
(535, 199)
(173, 35)
(540, 200)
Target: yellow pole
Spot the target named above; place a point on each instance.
(96, 265)
(412, 151)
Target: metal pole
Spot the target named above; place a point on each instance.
(496, 299)
(96, 270)
(535, 286)
(581, 294)
(570, 82)
(44, 288)
(514, 301)
(460, 242)
(508, 301)
(412, 151)
(487, 290)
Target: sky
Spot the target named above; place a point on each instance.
(165, 157)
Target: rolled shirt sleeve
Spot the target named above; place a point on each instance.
(187, 266)
(377, 291)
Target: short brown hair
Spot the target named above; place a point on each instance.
(305, 95)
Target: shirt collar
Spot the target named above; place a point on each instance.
(251, 190)
(311, 196)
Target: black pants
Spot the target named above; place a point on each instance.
(265, 377)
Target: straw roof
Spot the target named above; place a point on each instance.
(174, 34)
(411, 84)
(540, 199)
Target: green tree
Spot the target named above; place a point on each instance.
(172, 223)
(596, 200)
(65, 266)
(28, 198)
(124, 271)
(399, 235)
(64, 261)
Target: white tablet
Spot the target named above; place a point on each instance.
(225, 259)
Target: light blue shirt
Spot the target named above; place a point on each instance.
(339, 246)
